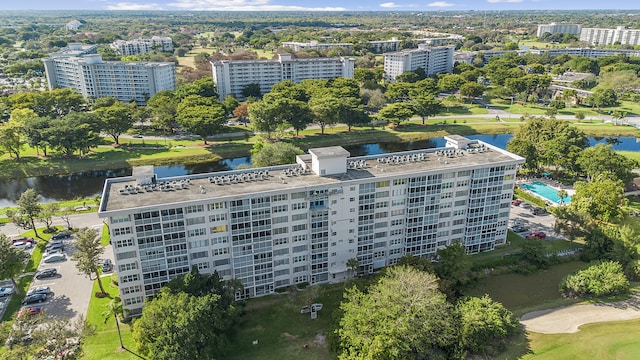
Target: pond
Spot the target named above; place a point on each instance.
(90, 183)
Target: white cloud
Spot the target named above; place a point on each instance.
(134, 6)
(243, 5)
(440, 4)
(504, 1)
(389, 5)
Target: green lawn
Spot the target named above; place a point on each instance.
(612, 340)
(105, 343)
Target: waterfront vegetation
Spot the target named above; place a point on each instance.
(135, 152)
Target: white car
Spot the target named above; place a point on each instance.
(54, 258)
(6, 291)
(22, 245)
(39, 290)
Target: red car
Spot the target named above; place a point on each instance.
(536, 234)
(22, 239)
(31, 311)
(516, 202)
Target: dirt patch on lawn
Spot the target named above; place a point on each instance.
(289, 336)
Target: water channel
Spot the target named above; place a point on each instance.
(90, 183)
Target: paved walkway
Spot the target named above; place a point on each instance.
(569, 318)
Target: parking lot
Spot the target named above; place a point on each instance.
(543, 222)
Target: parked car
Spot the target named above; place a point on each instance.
(515, 222)
(22, 239)
(6, 291)
(35, 310)
(54, 258)
(536, 234)
(516, 202)
(54, 246)
(46, 273)
(22, 245)
(538, 211)
(35, 298)
(107, 265)
(136, 136)
(519, 228)
(61, 235)
(40, 290)
(526, 205)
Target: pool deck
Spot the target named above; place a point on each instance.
(550, 183)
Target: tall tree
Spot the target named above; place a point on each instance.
(114, 308)
(403, 316)
(29, 210)
(264, 117)
(88, 254)
(602, 159)
(48, 211)
(180, 326)
(454, 269)
(36, 131)
(482, 322)
(11, 138)
(471, 90)
(201, 116)
(601, 198)
(325, 110)
(425, 106)
(12, 260)
(276, 153)
(76, 131)
(116, 119)
(163, 106)
(396, 113)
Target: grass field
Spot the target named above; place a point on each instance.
(105, 345)
(612, 340)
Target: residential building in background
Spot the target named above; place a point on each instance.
(300, 223)
(601, 36)
(142, 46)
(554, 28)
(297, 46)
(432, 59)
(79, 67)
(435, 41)
(232, 76)
(73, 25)
(383, 46)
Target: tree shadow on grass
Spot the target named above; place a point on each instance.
(517, 346)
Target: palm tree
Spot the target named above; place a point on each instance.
(352, 265)
(114, 307)
(562, 194)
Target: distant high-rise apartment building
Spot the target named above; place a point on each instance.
(142, 46)
(73, 25)
(383, 46)
(432, 59)
(280, 226)
(297, 46)
(554, 28)
(232, 76)
(79, 68)
(600, 36)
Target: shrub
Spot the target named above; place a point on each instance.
(602, 279)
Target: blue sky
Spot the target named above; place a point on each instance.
(327, 5)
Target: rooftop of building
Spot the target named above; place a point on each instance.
(281, 58)
(138, 192)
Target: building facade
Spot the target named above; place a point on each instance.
(232, 76)
(297, 46)
(92, 77)
(285, 225)
(383, 46)
(554, 28)
(601, 37)
(142, 46)
(432, 59)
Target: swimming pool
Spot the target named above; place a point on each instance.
(545, 191)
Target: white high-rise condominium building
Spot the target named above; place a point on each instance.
(554, 28)
(599, 36)
(232, 76)
(297, 46)
(432, 59)
(92, 77)
(383, 46)
(142, 46)
(283, 225)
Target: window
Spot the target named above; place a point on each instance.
(282, 230)
(117, 220)
(122, 231)
(281, 197)
(219, 240)
(198, 243)
(125, 255)
(299, 227)
(127, 267)
(222, 251)
(280, 219)
(123, 243)
(279, 208)
(195, 221)
(199, 255)
(197, 232)
(219, 228)
(280, 252)
(217, 205)
(129, 278)
(298, 195)
(194, 209)
(218, 217)
(298, 206)
(297, 217)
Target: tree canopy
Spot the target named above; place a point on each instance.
(276, 153)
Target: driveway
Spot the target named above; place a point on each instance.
(567, 319)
